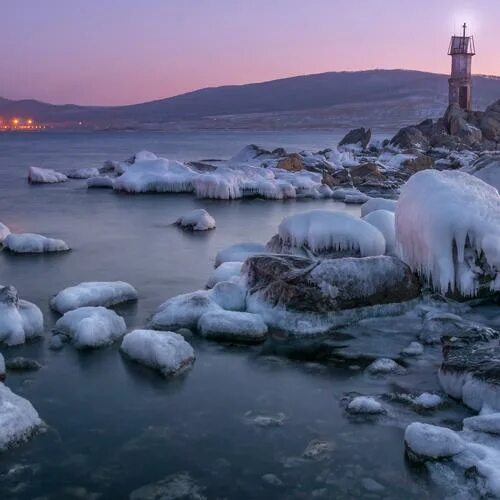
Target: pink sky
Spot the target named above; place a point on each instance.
(126, 51)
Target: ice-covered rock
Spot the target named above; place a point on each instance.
(359, 138)
(365, 405)
(33, 243)
(428, 401)
(83, 173)
(384, 366)
(37, 175)
(224, 272)
(197, 220)
(448, 230)
(93, 293)
(4, 232)
(327, 234)
(378, 204)
(101, 181)
(488, 423)
(90, 327)
(230, 295)
(425, 441)
(166, 352)
(232, 326)
(385, 222)
(413, 349)
(18, 419)
(184, 311)
(487, 168)
(20, 320)
(239, 252)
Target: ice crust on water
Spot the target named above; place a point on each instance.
(93, 293)
(20, 320)
(445, 221)
(197, 220)
(320, 230)
(4, 232)
(365, 405)
(18, 418)
(239, 252)
(37, 175)
(224, 272)
(33, 243)
(378, 204)
(385, 222)
(166, 352)
(230, 325)
(90, 327)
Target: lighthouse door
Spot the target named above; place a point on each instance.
(463, 97)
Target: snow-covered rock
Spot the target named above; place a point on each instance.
(230, 295)
(327, 234)
(197, 220)
(184, 311)
(428, 401)
(232, 326)
(4, 232)
(365, 405)
(239, 252)
(37, 175)
(18, 419)
(385, 222)
(448, 230)
(90, 327)
(83, 173)
(20, 320)
(33, 243)
(93, 293)
(378, 204)
(413, 349)
(489, 423)
(224, 272)
(100, 182)
(384, 366)
(166, 352)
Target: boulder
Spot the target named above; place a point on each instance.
(455, 120)
(410, 138)
(490, 123)
(365, 171)
(487, 168)
(420, 162)
(306, 285)
(291, 162)
(359, 136)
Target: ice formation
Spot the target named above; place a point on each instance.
(224, 272)
(486, 168)
(197, 220)
(365, 405)
(378, 204)
(4, 232)
(18, 418)
(238, 252)
(93, 293)
(33, 243)
(83, 173)
(167, 352)
(90, 327)
(230, 295)
(384, 221)
(233, 326)
(448, 230)
(322, 230)
(37, 175)
(20, 320)
(100, 182)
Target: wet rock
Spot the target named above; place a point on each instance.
(174, 487)
(318, 450)
(22, 364)
(359, 136)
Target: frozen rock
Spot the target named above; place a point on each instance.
(93, 293)
(184, 311)
(18, 419)
(20, 320)
(83, 173)
(425, 441)
(2, 367)
(33, 243)
(385, 222)
(359, 137)
(365, 405)
(448, 230)
(100, 182)
(384, 366)
(167, 352)
(224, 272)
(233, 326)
(197, 220)
(327, 234)
(413, 349)
(487, 168)
(22, 364)
(239, 252)
(229, 295)
(489, 423)
(428, 401)
(4, 232)
(37, 175)
(90, 327)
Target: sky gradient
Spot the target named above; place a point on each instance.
(126, 51)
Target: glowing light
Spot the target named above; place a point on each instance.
(15, 121)
(30, 121)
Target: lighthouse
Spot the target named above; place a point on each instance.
(461, 51)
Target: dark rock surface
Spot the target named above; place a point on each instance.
(361, 136)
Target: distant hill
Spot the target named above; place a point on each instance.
(372, 98)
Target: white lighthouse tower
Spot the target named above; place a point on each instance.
(461, 51)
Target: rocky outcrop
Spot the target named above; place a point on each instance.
(416, 164)
(410, 139)
(291, 162)
(303, 284)
(359, 136)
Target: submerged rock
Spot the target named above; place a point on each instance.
(22, 364)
